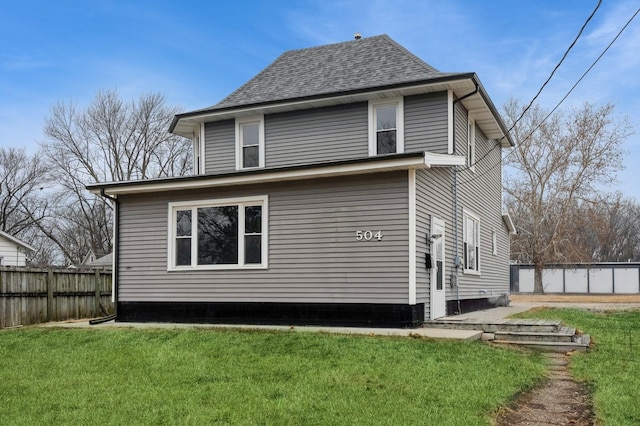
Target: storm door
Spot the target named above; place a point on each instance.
(438, 292)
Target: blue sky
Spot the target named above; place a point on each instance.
(197, 52)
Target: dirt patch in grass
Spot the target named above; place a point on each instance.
(559, 400)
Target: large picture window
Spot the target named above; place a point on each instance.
(218, 234)
(386, 127)
(250, 143)
(471, 246)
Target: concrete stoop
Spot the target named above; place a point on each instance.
(546, 335)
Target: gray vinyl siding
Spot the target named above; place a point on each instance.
(426, 123)
(480, 192)
(317, 135)
(220, 146)
(433, 199)
(313, 253)
(329, 134)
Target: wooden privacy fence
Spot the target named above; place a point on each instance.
(597, 278)
(33, 295)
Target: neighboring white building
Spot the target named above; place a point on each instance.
(13, 252)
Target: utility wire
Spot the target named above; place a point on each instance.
(524, 111)
(559, 103)
(575, 40)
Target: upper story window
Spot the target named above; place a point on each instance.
(386, 126)
(250, 143)
(471, 143)
(471, 242)
(218, 234)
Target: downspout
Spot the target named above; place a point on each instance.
(116, 257)
(456, 259)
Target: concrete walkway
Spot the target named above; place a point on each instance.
(435, 333)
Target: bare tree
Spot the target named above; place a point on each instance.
(555, 164)
(607, 230)
(110, 140)
(25, 200)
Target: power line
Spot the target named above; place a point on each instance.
(564, 56)
(557, 66)
(560, 102)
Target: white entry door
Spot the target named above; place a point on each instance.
(438, 293)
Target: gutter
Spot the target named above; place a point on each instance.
(456, 260)
(115, 273)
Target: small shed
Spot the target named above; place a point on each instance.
(13, 252)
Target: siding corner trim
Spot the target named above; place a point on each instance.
(412, 238)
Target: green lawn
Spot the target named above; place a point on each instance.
(126, 376)
(612, 367)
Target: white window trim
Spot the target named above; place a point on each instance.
(262, 200)
(198, 150)
(466, 213)
(471, 143)
(399, 104)
(240, 121)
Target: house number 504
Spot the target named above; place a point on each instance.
(368, 235)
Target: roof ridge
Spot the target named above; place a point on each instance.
(331, 68)
(415, 58)
(288, 52)
(250, 80)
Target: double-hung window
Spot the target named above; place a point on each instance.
(250, 143)
(218, 234)
(386, 126)
(471, 242)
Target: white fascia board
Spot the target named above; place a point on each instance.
(275, 176)
(17, 241)
(506, 217)
(443, 160)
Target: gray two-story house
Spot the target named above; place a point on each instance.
(348, 184)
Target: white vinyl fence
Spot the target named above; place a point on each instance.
(596, 278)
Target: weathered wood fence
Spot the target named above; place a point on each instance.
(33, 295)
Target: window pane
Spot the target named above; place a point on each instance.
(253, 219)
(218, 235)
(253, 249)
(250, 156)
(471, 257)
(183, 251)
(386, 142)
(386, 117)
(439, 275)
(183, 223)
(250, 134)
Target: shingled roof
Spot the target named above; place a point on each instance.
(347, 71)
(335, 68)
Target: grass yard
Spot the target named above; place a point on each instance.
(612, 367)
(127, 376)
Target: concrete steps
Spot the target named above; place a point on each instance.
(498, 324)
(547, 335)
